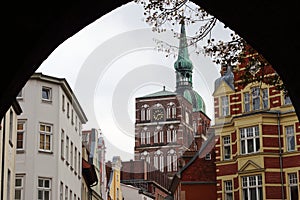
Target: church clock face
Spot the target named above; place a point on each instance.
(158, 114)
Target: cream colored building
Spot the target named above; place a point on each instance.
(8, 138)
(114, 184)
(49, 149)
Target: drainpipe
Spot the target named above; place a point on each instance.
(280, 155)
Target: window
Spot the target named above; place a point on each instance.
(71, 155)
(171, 134)
(228, 190)
(76, 122)
(72, 116)
(159, 160)
(287, 100)
(161, 136)
(71, 193)
(171, 110)
(61, 191)
(148, 137)
(249, 140)
(68, 110)
(208, 156)
(67, 149)
(63, 102)
(145, 156)
(145, 113)
(246, 102)
(66, 192)
(20, 135)
(155, 136)
(224, 106)
(79, 162)
(19, 187)
(62, 144)
(8, 186)
(293, 186)
(171, 160)
(255, 98)
(226, 148)
(265, 98)
(75, 160)
(290, 138)
(143, 136)
(45, 137)
(44, 189)
(252, 187)
(46, 94)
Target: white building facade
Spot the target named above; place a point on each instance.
(8, 138)
(49, 157)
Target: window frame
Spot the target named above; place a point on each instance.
(245, 141)
(228, 190)
(226, 144)
(292, 184)
(21, 132)
(46, 133)
(20, 187)
(225, 106)
(290, 138)
(252, 182)
(43, 188)
(48, 91)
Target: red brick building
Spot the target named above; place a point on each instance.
(169, 123)
(258, 154)
(197, 177)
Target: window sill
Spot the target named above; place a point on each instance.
(46, 152)
(20, 151)
(47, 101)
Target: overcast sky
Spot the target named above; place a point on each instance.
(112, 61)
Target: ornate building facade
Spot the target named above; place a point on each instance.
(257, 155)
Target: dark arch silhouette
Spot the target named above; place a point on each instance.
(34, 29)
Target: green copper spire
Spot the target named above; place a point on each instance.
(184, 70)
(183, 65)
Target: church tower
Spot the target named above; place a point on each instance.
(169, 124)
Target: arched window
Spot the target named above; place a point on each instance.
(171, 134)
(171, 110)
(144, 136)
(145, 112)
(159, 160)
(156, 134)
(171, 160)
(145, 156)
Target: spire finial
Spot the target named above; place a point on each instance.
(164, 88)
